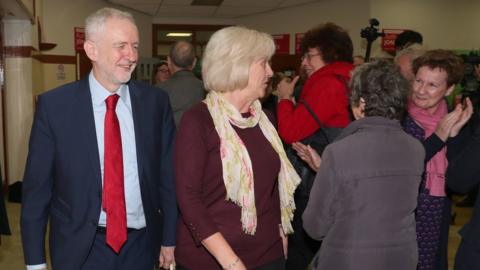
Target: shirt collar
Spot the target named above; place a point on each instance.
(100, 93)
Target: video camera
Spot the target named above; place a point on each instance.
(370, 33)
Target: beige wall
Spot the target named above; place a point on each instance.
(443, 23)
(54, 77)
(351, 15)
(60, 17)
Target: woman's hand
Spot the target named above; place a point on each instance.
(223, 252)
(446, 124)
(467, 112)
(284, 241)
(285, 88)
(308, 154)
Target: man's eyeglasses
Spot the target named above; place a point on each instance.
(309, 56)
(164, 70)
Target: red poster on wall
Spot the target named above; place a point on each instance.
(282, 43)
(388, 40)
(298, 41)
(78, 38)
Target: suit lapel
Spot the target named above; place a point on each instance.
(86, 123)
(138, 111)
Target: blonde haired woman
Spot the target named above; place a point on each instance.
(234, 181)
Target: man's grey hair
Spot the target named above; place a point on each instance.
(182, 54)
(95, 22)
(413, 52)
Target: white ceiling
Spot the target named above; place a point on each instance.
(229, 9)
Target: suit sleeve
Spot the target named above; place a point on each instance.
(37, 187)
(319, 214)
(167, 186)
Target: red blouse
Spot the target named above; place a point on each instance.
(201, 195)
(325, 91)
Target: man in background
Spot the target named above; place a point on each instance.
(183, 88)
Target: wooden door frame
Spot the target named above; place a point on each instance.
(3, 112)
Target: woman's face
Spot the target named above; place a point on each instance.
(258, 77)
(429, 88)
(312, 61)
(163, 73)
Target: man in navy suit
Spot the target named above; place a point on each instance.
(67, 163)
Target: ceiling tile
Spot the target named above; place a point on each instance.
(185, 11)
(177, 2)
(252, 3)
(288, 3)
(232, 12)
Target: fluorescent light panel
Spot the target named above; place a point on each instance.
(175, 34)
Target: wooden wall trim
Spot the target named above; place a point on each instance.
(55, 59)
(18, 51)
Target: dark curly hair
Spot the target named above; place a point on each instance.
(383, 88)
(331, 40)
(444, 60)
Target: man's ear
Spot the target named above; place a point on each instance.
(90, 49)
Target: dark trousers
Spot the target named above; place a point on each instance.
(301, 247)
(134, 254)
(441, 259)
(468, 257)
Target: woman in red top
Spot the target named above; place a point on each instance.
(327, 60)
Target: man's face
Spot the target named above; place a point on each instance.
(404, 62)
(312, 61)
(114, 52)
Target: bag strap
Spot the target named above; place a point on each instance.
(312, 113)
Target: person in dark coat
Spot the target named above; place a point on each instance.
(364, 196)
(464, 176)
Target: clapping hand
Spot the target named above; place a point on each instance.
(452, 123)
(308, 154)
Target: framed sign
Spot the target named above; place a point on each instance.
(388, 39)
(282, 43)
(79, 38)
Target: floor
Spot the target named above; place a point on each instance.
(11, 257)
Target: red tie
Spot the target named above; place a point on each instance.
(113, 191)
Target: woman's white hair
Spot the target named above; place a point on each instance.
(95, 22)
(229, 54)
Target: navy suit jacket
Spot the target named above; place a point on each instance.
(62, 182)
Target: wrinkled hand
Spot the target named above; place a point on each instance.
(447, 122)
(284, 241)
(467, 112)
(285, 88)
(167, 257)
(308, 154)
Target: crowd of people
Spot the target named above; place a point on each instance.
(352, 173)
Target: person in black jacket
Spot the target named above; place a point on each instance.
(464, 175)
